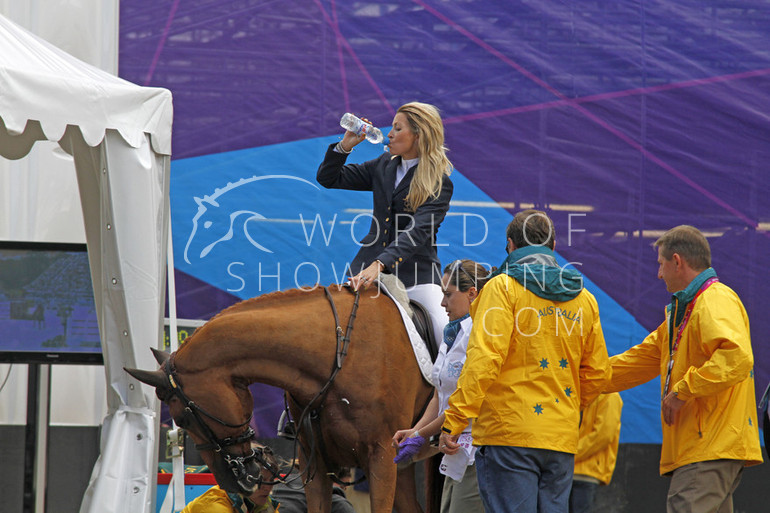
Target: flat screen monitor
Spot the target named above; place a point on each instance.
(47, 312)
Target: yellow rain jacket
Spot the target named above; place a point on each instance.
(216, 500)
(712, 372)
(599, 438)
(532, 364)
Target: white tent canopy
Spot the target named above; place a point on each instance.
(119, 135)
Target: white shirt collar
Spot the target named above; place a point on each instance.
(405, 166)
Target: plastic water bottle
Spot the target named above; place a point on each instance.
(358, 126)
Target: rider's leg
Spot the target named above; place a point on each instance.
(430, 295)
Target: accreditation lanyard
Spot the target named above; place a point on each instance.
(673, 347)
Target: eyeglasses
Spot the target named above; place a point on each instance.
(458, 265)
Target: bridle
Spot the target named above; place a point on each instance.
(236, 464)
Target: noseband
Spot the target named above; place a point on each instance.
(236, 464)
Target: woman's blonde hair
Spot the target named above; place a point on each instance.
(425, 121)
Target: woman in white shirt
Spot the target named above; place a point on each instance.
(461, 283)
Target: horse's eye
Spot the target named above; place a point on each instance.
(207, 224)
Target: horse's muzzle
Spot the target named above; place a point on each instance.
(246, 471)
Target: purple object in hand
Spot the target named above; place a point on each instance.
(408, 448)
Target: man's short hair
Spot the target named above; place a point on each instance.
(531, 228)
(689, 243)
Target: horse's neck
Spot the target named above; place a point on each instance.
(290, 345)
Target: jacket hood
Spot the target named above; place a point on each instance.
(682, 298)
(535, 268)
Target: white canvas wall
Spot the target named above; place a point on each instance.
(39, 198)
(87, 29)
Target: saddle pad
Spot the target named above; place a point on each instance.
(421, 353)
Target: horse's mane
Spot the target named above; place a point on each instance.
(271, 299)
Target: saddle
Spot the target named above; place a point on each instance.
(422, 322)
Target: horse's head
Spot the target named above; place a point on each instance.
(225, 446)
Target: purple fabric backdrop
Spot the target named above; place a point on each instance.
(640, 115)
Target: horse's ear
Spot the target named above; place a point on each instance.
(156, 378)
(160, 356)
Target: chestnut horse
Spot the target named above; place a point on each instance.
(291, 340)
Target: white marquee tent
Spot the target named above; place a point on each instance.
(119, 135)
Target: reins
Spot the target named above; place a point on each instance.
(342, 343)
(309, 413)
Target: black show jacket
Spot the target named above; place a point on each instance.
(405, 242)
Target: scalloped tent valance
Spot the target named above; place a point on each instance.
(39, 82)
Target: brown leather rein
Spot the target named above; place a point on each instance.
(311, 412)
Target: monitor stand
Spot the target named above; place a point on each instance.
(36, 437)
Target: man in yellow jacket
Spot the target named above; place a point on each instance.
(536, 356)
(702, 352)
(597, 452)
